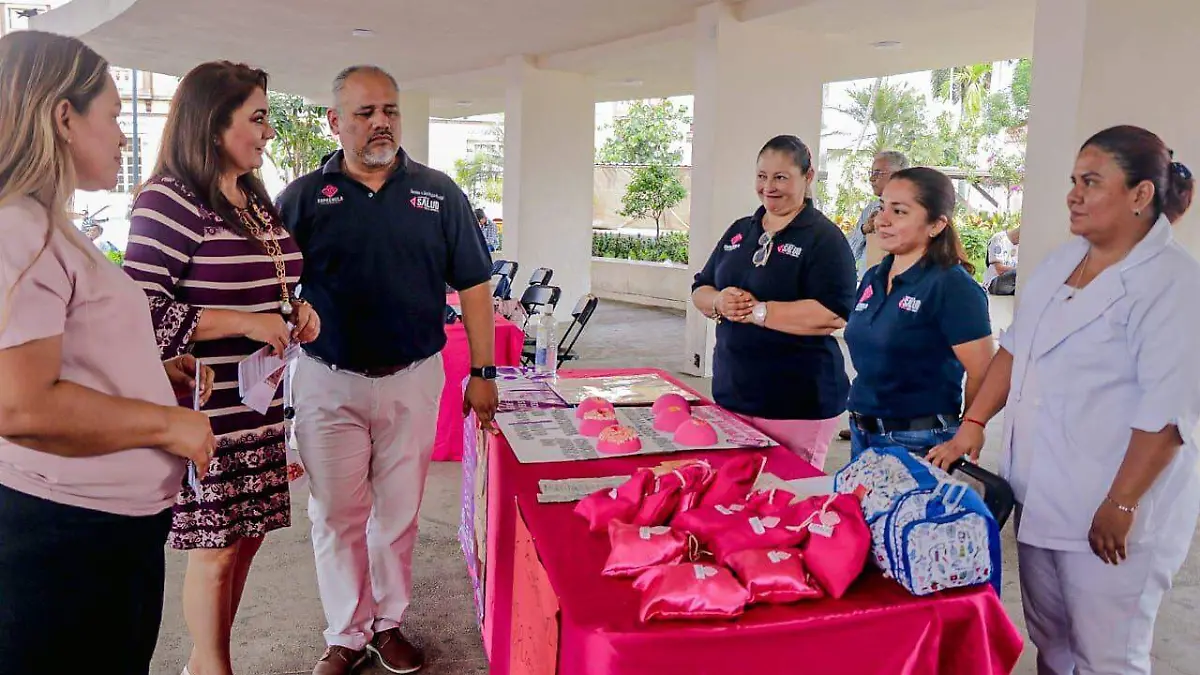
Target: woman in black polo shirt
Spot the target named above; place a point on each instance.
(779, 283)
(920, 323)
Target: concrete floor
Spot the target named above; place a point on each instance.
(279, 628)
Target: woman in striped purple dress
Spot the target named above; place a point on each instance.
(220, 271)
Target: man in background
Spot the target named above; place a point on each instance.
(885, 164)
(1000, 277)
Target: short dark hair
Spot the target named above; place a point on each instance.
(1143, 156)
(793, 147)
(339, 81)
(935, 193)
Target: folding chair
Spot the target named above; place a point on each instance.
(541, 276)
(506, 267)
(535, 297)
(580, 316)
(503, 290)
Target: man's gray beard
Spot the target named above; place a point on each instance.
(380, 157)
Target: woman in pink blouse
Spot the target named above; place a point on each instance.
(92, 439)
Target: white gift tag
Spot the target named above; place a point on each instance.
(761, 525)
(821, 529)
(646, 532)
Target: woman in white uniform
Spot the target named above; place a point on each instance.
(1101, 377)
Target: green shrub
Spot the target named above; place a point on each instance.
(670, 246)
(117, 257)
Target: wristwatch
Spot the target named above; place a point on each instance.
(760, 313)
(486, 372)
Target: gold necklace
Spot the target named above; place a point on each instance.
(1078, 276)
(259, 227)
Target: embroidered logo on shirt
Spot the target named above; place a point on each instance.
(790, 250)
(329, 196)
(910, 304)
(867, 294)
(427, 203)
(735, 242)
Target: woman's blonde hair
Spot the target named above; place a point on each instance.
(37, 72)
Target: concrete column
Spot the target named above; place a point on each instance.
(1098, 63)
(753, 82)
(414, 124)
(549, 152)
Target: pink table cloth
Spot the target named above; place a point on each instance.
(877, 628)
(456, 357)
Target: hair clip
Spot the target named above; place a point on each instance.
(1182, 170)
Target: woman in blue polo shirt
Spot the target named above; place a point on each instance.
(779, 283)
(920, 324)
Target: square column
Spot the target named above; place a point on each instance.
(549, 154)
(753, 82)
(414, 124)
(1096, 64)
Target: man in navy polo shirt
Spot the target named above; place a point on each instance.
(383, 236)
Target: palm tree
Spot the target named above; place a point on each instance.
(891, 116)
(967, 86)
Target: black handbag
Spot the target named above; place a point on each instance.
(1004, 284)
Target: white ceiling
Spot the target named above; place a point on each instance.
(456, 49)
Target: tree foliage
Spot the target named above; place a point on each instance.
(893, 117)
(653, 190)
(481, 175)
(649, 134)
(967, 86)
(301, 139)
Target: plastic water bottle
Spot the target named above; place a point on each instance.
(546, 355)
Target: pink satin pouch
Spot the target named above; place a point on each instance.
(752, 531)
(706, 522)
(775, 576)
(733, 480)
(839, 541)
(696, 479)
(775, 503)
(636, 548)
(690, 591)
(618, 504)
(660, 501)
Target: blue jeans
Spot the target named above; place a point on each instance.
(919, 442)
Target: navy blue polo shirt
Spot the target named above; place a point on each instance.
(766, 373)
(376, 264)
(902, 343)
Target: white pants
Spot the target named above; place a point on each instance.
(366, 444)
(1089, 618)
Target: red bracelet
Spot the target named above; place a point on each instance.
(975, 421)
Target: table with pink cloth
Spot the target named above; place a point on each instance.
(546, 608)
(456, 360)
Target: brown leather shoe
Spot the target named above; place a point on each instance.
(844, 434)
(395, 653)
(339, 661)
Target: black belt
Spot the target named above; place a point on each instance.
(373, 372)
(875, 425)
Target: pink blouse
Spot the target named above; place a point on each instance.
(108, 345)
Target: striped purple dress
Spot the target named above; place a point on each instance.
(187, 260)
